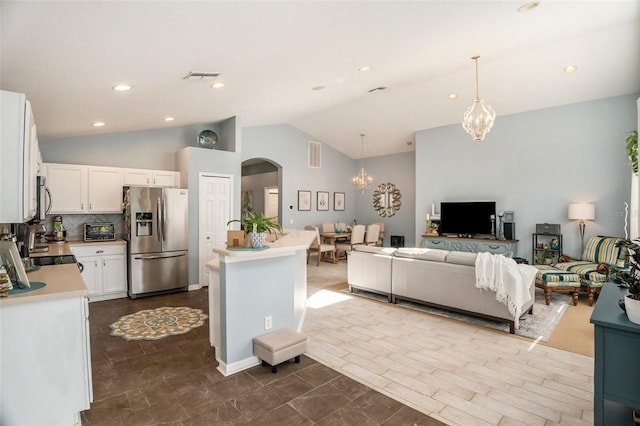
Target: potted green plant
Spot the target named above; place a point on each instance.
(629, 277)
(545, 258)
(256, 226)
(632, 150)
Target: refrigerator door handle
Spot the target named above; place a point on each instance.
(164, 217)
(158, 257)
(159, 219)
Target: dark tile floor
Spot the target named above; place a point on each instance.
(174, 381)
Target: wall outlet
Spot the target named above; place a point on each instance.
(268, 322)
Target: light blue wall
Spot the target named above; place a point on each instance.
(288, 146)
(535, 163)
(193, 161)
(399, 170)
(247, 300)
(144, 149)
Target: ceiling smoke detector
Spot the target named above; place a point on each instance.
(192, 75)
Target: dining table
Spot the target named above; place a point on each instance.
(333, 237)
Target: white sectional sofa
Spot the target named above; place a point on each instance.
(441, 278)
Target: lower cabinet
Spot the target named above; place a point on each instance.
(46, 362)
(104, 269)
(474, 245)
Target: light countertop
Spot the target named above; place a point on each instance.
(293, 240)
(64, 249)
(62, 281)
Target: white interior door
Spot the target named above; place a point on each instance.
(215, 212)
(271, 201)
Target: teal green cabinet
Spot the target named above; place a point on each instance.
(617, 350)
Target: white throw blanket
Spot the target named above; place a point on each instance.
(510, 281)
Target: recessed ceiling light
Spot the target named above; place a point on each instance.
(365, 68)
(121, 87)
(318, 88)
(99, 124)
(218, 85)
(169, 119)
(570, 68)
(528, 6)
(452, 96)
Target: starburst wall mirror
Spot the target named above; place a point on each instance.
(386, 200)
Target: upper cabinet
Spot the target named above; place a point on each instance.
(68, 187)
(105, 189)
(78, 189)
(84, 189)
(19, 156)
(143, 177)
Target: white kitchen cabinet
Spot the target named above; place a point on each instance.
(19, 154)
(68, 186)
(84, 189)
(46, 361)
(104, 269)
(105, 189)
(145, 177)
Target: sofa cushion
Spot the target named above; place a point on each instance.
(602, 250)
(374, 249)
(462, 258)
(434, 255)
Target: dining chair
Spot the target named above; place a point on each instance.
(381, 235)
(328, 227)
(357, 237)
(373, 231)
(343, 226)
(318, 247)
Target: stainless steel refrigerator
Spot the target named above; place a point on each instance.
(156, 221)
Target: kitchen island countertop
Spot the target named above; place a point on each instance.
(62, 281)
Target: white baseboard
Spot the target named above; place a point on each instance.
(238, 366)
(193, 287)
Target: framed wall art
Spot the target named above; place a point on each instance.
(322, 201)
(338, 201)
(304, 200)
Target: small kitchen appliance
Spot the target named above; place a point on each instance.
(99, 232)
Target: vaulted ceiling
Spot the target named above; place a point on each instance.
(298, 62)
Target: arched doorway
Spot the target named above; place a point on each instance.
(261, 187)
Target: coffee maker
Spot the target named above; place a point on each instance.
(27, 235)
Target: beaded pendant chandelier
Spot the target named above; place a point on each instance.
(479, 117)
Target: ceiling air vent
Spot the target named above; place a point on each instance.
(192, 75)
(314, 155)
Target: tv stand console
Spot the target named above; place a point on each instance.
(474, 245)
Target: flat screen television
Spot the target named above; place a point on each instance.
(466, 217)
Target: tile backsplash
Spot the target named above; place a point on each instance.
(73, 223)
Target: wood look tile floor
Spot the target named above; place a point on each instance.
(174, 381)
(367, 363)
(454, 372)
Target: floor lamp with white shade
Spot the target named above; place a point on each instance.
(582, 212)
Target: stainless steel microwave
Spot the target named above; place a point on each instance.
(99, 232)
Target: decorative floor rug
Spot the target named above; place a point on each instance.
(539, 325)
(154, 324)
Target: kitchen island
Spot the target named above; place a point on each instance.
(253, 292)
(45, 359)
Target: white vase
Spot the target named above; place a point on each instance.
(257, 239)
(632, 307)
